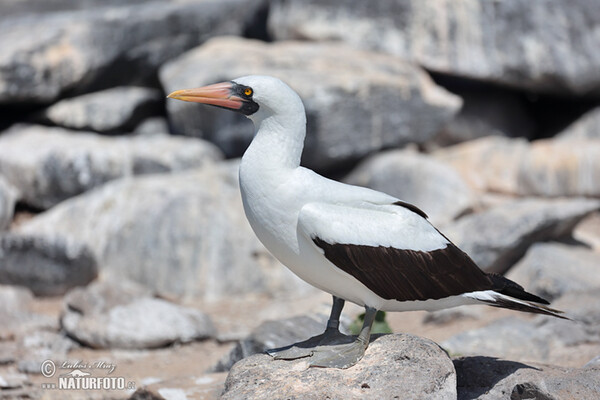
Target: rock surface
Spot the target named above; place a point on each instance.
(498, 237)
(540, 45)
(586, 127)
(113, 110)
(204, 387)
(553, 269)
(49, 165)
(48, 266)
(363, 101)
(17, 317)
(394, 366)
(7, 203)
(79, 47)
(547, 168)
(541, 339)
(118, 315)
(181, 234)
(418, 179)
(486, 378)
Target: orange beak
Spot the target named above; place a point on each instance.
(219, 94)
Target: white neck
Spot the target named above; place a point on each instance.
(278, 142)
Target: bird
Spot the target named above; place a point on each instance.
(358, 244)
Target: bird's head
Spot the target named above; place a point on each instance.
(255, 96)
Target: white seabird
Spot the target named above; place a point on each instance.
(358, 244)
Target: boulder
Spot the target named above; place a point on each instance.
(7, 203)
(123, 315)
(182, 234)
(486, 378)
(418, 179)
(39, 346)
(112, 110)
(357, 102)
(553, 269)
(272, 335)
(546, 167)
(17, 316)
(496, 238)
(77, 47)
(49, 165)
(540, 339)
(394, 366)
(208, 386)
(585, 127)
(48, 266)
(541, 45)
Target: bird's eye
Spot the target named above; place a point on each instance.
(248, 92)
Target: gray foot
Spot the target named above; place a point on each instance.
(338, 355)
(308, 347)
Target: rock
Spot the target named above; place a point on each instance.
(488, 164)
(47, 266)
(418, 179)
(486, 378)
(272, 335)
(357, 102)
(207, 386)
(13, 381)
(553, 269)
(535, 52)
(486, 111)
(588, 231)
(39, 346)
(181, 234)
(17, 317)
(115, 315)
(541, 339)
(586, 127)
(78, 48)
(49, 165)
(498, 237)
(7, 203)
(152, 126)
(393, 365)
(112, 110)
(513, 166)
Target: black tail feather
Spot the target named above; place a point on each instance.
(506, 286)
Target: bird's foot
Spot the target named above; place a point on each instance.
(307, 348)
(338, 355)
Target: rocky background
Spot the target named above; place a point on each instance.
(123, 240)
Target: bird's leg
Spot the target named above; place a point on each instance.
(348, 354)
(306, 348)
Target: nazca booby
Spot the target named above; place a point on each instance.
(358, 244)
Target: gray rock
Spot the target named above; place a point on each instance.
(418, 179)
(208, 386)
(39, 346)
(48, 266)
(152, 126)
(498, 237)
(486, 378)
(541, 339)
(357, 102)
(586, 127)
(272, 335)
(17, 317)
(548, 168)
(116, 315)
(49, 165)
(117, 109)
(7, 203)
(393, 366)
(13, 381)
(181, 234)
(486, 112)
(545, 45)
(553, 269)
(78, 48)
